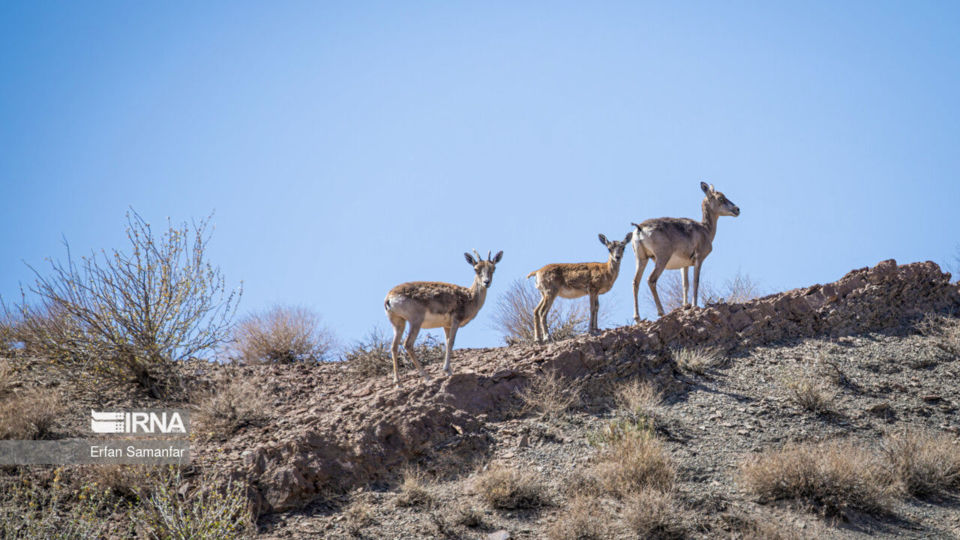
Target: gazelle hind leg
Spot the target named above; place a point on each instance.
(641, 265)
(398, 324)
(409, 344)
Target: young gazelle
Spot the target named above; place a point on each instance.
(678, 243)
(429, 304)
(573, 280)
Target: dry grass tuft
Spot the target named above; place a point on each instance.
(282, 335)
(652, 513)
(358, 515)
(810, 391)
(833, 477)
(582, 519)
(639, 398)
(465, 515)
(415, 491)
(924, 463)
(697, 359)
(31, 414)
(507, 488)
(550, 394)
(632, 463)
(7, 379)
(233, 404)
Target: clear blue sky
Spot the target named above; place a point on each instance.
(348, 147)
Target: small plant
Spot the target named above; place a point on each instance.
(282, 335)
(214, 510)
(697, 359)
(550, 394)
(513, 315)
(810, 391)
(638, 398)
(370, 357)
(7, 379)
(233, 404)
(31, 414)
(834, 477)
(926, 464)
(466, 515)
(506, 488)
(359, 515)
(631, 463)
(414, 490)
(618, 429)
(651, 513)
(582, 519)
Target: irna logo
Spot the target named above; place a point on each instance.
(144, 422)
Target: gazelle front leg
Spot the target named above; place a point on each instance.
(641, 265)
(594, 308)
(451, 334)
(696, 279)
(408, 345)
(685, 284)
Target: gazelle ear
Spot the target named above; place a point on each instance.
(603, 239)
(497, 257)
(626, 239)
(706, 189)
(469, 259)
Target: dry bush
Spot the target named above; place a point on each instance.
(466, 515)
(7, 379)
(652, 513)
(131, 482)
(370, 357)
(833, 477)
(232, 404)
(550, 394)
(282, 334)
(214, 510)
(924, 463)
(31, 414)
(697, 359)
(415, 490)
(582, 519)
(638, 398)
(810, 390)
(513, 315)
(767, 527)
(129, 315)
(741, 288)
(632, 463)
(358, 516)
(507, 488)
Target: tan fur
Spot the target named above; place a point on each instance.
(678, 243)
(432, 304)
(573, 280)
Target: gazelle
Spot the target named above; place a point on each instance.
(573, 280)
(678, 243)
(430, 304)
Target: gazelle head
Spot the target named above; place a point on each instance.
(615, 248)
(719, 202)
(484, 268)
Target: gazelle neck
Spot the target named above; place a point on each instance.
(710, 217)
(478, 291)
(613, 266)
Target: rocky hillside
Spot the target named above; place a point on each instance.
(335, 440)
(516, 443)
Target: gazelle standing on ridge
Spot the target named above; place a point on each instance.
(678, 243)
(573, 280)
(430, 304)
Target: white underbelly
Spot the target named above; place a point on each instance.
(565, 292)
(436, 320)
(678, 261)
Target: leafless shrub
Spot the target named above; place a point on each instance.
(282, 334)
(834, 477)
(513, 315)
(232, 404)
(370, 357)
(129, 314)
(582, 519)
(652, 513)
(31, 414)
(507, 488)
(632, 463)
(7, 379)
(414, 490)
(925, 463)
(216, 509)
(810, 390)
(697, 359)
(359, 515)
(550, 394)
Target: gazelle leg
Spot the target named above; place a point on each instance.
(641, 264)
(685, 284)
(398, 325)
(696, 279)
(408, 345)
(544, 313)
(537, 329)
(594, 308)
(451, 334)
(661, 266)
